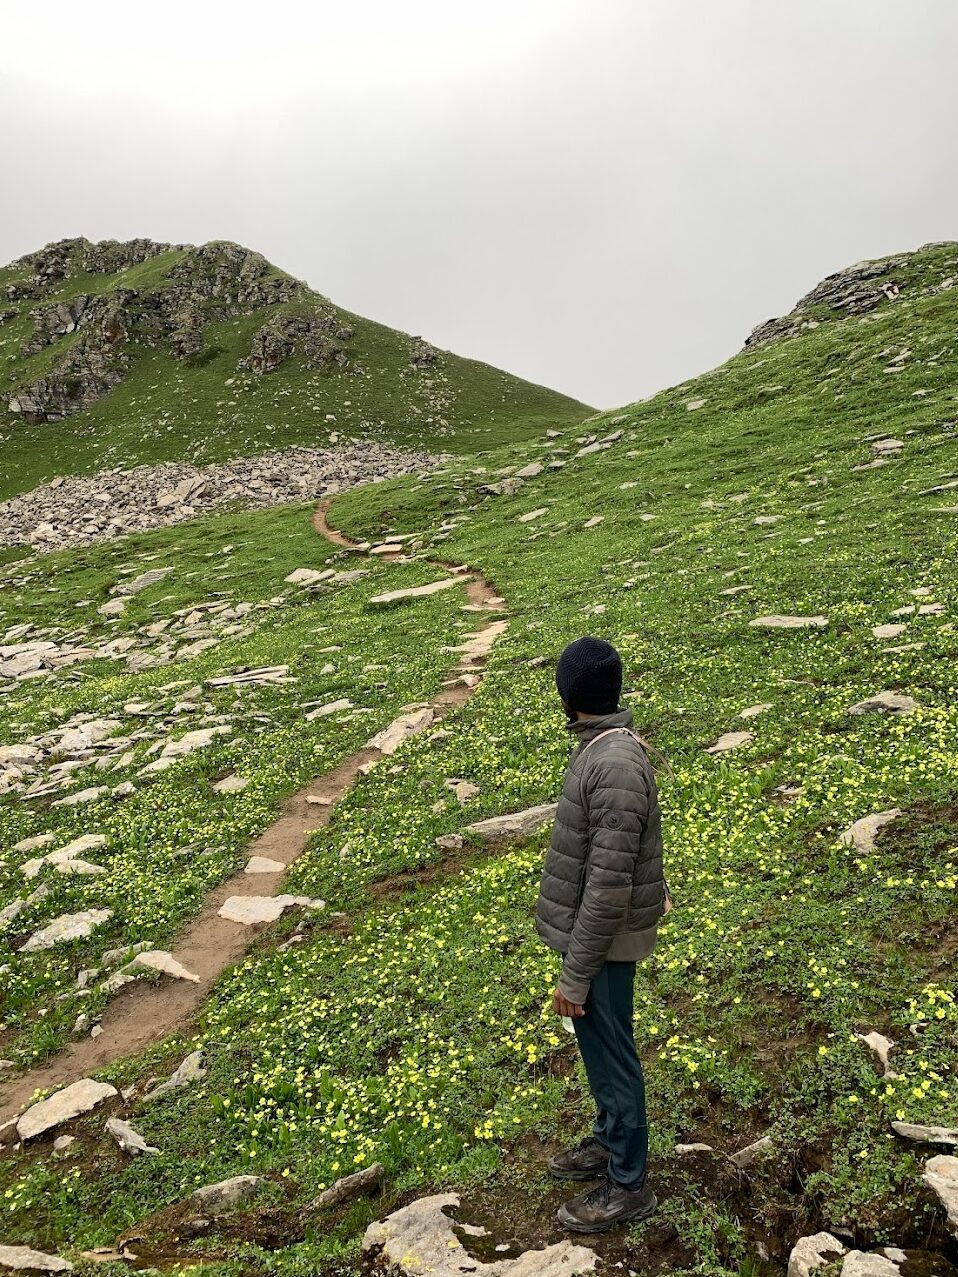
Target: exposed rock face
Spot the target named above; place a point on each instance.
(319, 337)
(218, 1199)
(810, 1253)
(520, 824)
(854, 291)
(421, 354)
(85, 509)
(21, 1259)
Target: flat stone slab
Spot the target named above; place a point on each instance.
(418, 591)
(161, 960)
(333, 707)
(885, 703)
(753, 711)
(143, 582)
(63, 1106)
(421, 1239)
(926, 1134)
(861, 835)
(263, 865)
(190, 1070)
(941, 1176)
(519, 824)
(226, 1195)
(250, 910)
(812, 1252)
(69, 926)
(888, 631)
(91, 795)
(390, 738)
(22, 1259)
(230, 785)
(309, 576)
(775, 622)
(730, 741)
(747, 1155)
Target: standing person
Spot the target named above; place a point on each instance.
(602, 895)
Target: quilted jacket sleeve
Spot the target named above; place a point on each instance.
(617, 797)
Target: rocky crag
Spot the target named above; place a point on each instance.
(83, 509)
(859, 290)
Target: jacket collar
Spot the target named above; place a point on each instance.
(586, 729)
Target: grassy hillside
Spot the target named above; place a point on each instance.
(417, 1032)
(202, 406)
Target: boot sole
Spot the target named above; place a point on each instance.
(574, 1226)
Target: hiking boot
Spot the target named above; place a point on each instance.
(587, 1160)
(605, 1206)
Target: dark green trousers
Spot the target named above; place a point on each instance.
(607, 1044)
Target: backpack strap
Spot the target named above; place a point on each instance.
(649, 749)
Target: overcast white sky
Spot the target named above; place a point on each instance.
(602, 195)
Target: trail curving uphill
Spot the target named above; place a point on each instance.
(142, 1014)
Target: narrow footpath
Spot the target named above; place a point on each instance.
(142, 1014)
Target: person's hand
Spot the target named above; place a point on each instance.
(562, 1006)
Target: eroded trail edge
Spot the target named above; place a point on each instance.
(142, 1014)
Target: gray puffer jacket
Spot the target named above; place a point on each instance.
(603, 890)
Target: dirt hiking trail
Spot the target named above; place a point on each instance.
(142, 1013)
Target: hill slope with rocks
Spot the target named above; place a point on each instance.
(341, 752)
(124, 353)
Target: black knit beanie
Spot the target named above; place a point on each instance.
(589, 676)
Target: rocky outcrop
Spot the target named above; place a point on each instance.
(215, 282)
(85, 509)
(318, 337)
(421, 354)
(854, 291)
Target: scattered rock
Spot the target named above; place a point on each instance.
(63, 1106)
(418, 591)
(390, 738)
(161, 960)
(861, 835)
(309, 576)
(730, 741)
(224, 1196)
(881, 1046)
(520, 824)
(885, 703)
(22, 1259)
(683, 1150)
(888, 631)
(463, 789)
(421, 1239)
(143, 582)
(810, 1253)
(860, 1263)
(775, 622)
(334, 707)
(69, 926)
(693, 405)
(941, 1176)
(190, 1070)
(63, 1142)
(754, 710)
(130, 1141)
(746, 1156)
(230, 785)
(250, 910)
(263, 865)
(926, 1134)
(352, 1186)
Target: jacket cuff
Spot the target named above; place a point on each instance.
(573, 989)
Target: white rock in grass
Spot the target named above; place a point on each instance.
(941, 1176)
(881, 1046)
(250, 910)
(333, 707)
(35, 841)
(115, 607)
(263, 865)
(861, 835)
(130, 1141)
(390, 738)
(885, 703)
(754, 710)
(230, 785)
(190, 1070)
(860, 1263)
(682, 1150)
(776, 622)
(594, 521)
(69, 926)
(143, 582)
(63, 1106)
(888, 631)
(533, 514)
(810, 1253)
(520, 824)
(417, 591)
(91, 795)
(161, 960)
(21, 1259)
(693, 405)
(309, 576)
(63, 1142)
(926, 1134)
(421, 1239)
(729, 741)
(746, 1156)
(226, 1195)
